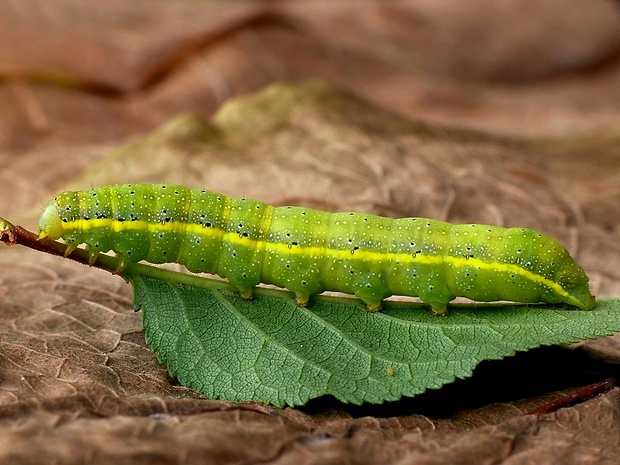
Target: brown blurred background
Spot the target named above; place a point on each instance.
(505, 112)
(81, 77)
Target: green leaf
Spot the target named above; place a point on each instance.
(270, 350)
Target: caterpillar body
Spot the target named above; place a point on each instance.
(308, 251)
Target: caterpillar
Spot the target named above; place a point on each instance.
(308, 251)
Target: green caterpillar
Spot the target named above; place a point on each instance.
(309, 251)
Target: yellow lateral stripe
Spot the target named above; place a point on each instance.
(141, 225)
(285, 249)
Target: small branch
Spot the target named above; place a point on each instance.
(579, 396)
(12, 235)
(7, 232)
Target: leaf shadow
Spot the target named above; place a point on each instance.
(516, 380)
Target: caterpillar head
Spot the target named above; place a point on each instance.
(50, 224)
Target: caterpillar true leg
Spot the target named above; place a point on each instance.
(124, 263)
(92, 255)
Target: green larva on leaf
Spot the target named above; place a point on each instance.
(309, 251)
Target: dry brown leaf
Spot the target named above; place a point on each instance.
(78, 384)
